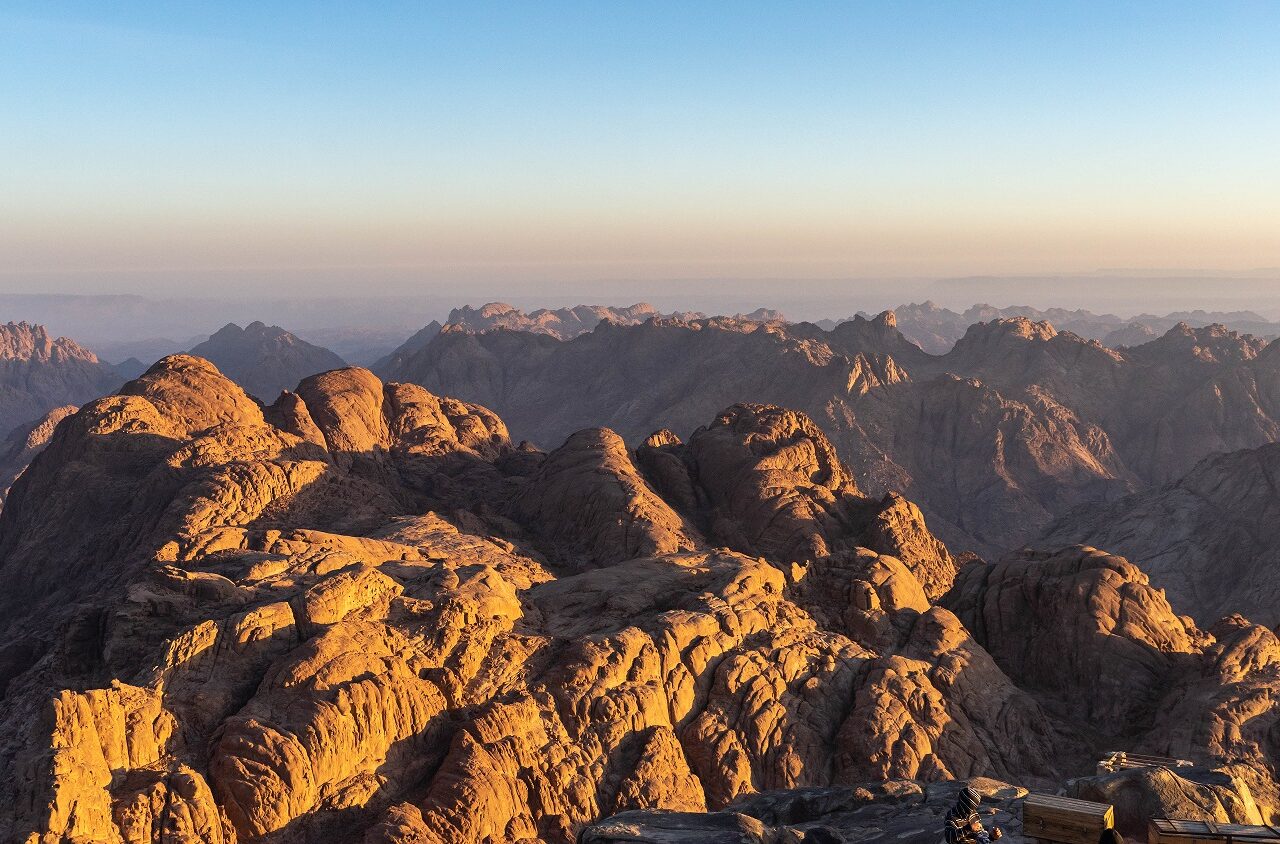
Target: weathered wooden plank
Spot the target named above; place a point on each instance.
(1166, 831)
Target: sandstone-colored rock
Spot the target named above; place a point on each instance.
(170, 807)
(1140, 794)
(589, 504)
(321, 622)
(897, 528)
(774, 482)
(1081, 624)
(351, 590)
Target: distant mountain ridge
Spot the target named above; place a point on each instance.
(265, 359)
(1015, 426)
(567, 323)
(39, 372)
(936, 329)
(560, 323)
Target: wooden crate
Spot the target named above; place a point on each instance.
(1062, 819)
(1162, 831)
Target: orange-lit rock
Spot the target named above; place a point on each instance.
(363, 614)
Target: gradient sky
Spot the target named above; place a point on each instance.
(273, 144)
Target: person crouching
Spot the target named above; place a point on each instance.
(962, 825)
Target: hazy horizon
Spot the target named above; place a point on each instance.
(106, 319)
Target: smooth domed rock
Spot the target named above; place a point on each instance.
(1079, 623)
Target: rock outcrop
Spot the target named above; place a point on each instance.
(1202, 538)
(1140, 794)
(362, 613)
(1082, 625)
(265, 359)
(24, 443)
(589, 503)
(1095, 643)
(896, 810)
(911, 811)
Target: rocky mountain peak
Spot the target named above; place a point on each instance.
(39, 373)
(23, 341)
(265, 359)
(1209, 344)
(1018, 328)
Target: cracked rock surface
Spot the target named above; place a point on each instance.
(361, 613)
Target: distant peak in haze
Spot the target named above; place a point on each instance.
(265, 359)
(936, 329)
(563, 323)
(570, 322)
(28, 342)
(256, 329)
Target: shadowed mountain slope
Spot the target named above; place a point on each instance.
(1209, 538)
(1014, 427)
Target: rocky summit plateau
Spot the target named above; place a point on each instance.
(661, 579)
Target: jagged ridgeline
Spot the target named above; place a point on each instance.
(39, 374)
(362, 613)
(1010, 430)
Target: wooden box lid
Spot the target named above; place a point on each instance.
(1053, 804)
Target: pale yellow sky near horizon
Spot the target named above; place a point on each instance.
(243, 145)
(89, 254)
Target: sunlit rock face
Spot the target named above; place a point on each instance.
(361, 608)
(362, 614)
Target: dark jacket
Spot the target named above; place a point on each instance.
(956, 828)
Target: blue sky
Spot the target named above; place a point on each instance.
(581, 140)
